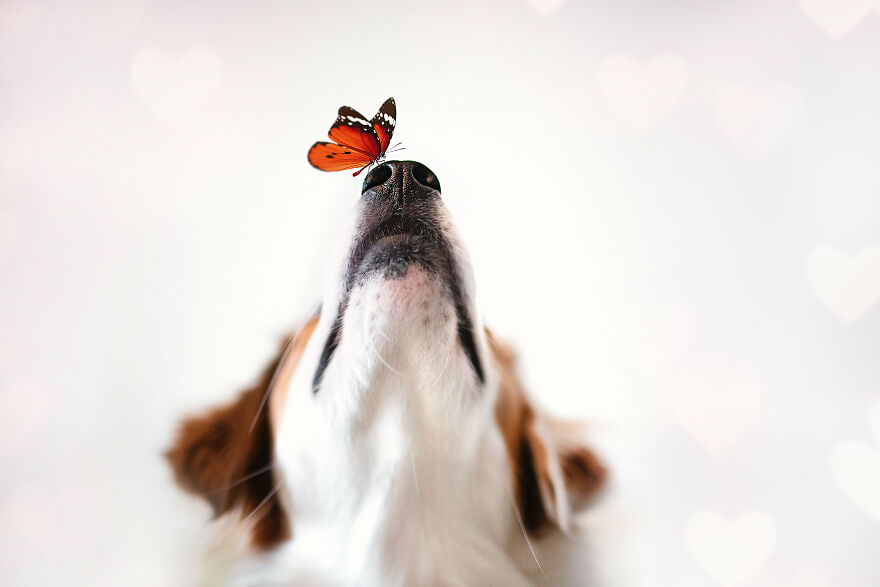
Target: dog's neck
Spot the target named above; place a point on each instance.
(397, 458)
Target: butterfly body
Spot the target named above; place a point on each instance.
(357, 142)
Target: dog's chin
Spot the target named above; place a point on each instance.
(407, 286)
(391, 257)
(403, 278)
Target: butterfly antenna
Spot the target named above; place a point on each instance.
(396, 147)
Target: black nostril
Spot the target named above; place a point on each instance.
(377, 176)
(425, 176)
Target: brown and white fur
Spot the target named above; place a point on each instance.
(390, 442)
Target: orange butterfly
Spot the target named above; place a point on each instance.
(358, 142)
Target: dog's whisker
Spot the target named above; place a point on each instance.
(247, 477)
(412, 461)
(381, 333)
(375, 349)
(265, 398)
(445, 365)
(382, 360)
(525, 534)
(262, 503)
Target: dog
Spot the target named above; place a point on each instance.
(390, 442)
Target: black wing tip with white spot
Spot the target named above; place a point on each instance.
(350, 115)
(388, 108)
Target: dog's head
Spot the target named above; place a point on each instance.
(393, 419)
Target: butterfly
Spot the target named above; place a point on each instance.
(357, 141)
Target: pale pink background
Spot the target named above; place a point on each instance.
(673, 207)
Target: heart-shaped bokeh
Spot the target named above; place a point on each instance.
(643, 93)
(847, 285)
(838, 17)
(855, 467)
(717, 403)
(730, 549)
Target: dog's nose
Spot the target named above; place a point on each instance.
(403, 180)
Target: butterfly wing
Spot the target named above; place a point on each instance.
(354, 131)
(384, 122)
(333, 157)
(358, 142)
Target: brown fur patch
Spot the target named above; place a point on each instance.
(530, 456)
(219, 457)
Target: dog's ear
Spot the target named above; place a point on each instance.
(558, 475)
(555, 474)
(226, 457)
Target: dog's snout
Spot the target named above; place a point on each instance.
(404, 180)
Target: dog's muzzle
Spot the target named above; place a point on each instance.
(399, 224)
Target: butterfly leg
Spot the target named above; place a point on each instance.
(356, 173)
